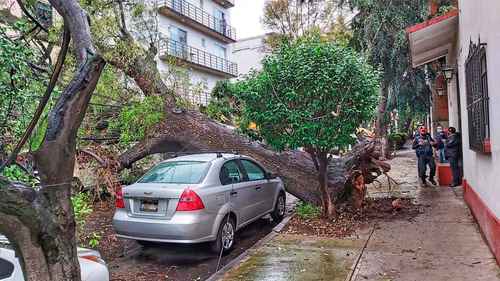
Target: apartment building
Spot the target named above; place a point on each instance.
(249, 52)
(462, 46)
(197, 34)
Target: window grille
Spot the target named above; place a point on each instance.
(476, 76)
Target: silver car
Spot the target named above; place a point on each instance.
(198, 198)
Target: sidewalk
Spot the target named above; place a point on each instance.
(442, 243)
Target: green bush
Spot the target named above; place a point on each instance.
(397, 140)
(82, 207)
(308, 211)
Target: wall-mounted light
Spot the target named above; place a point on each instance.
(448, 72)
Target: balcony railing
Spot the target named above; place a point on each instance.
(196, 56)
(200, 16)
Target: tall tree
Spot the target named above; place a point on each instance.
(40, 222)
(292, 19)
(313, 95)
(379, 32)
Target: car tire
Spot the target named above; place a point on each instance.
(279, 208)
(225, 236)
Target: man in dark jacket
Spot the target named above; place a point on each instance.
(453, 153)
(423, 144)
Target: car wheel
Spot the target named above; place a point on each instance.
(225, 236)
(279, 209)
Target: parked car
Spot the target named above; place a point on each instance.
(92, 266)
(198, 198)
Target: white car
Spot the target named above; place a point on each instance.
(92, 266)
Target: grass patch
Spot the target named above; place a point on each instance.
(308, 211)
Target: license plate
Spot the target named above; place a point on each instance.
(150, 206)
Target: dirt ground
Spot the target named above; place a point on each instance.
(347, 222)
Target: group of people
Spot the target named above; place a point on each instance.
(448, 147)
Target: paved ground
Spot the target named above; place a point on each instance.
(442, 243)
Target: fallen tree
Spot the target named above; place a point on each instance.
(191, 130)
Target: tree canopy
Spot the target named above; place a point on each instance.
(310, 94)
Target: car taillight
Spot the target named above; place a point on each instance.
(119, 203)
(189, 201)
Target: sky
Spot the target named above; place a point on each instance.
(246, 16)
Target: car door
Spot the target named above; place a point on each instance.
(263, 188)
(241, 192)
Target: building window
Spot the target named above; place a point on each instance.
(203, 42)
(476, 76)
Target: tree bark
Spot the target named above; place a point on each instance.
(326, 198)
(41, 224)
(381, 122)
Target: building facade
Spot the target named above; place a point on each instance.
(198, 35)
(249, 52)
(464, 43)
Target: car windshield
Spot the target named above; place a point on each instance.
(182, 172)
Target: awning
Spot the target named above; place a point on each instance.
(432, 39)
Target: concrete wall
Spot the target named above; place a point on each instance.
(248, 53)
(481, 19)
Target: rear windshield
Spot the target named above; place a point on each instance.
(182, 172)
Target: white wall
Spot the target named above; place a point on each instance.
(248, 53)
(480, 18)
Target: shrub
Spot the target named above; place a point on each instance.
(308, 211)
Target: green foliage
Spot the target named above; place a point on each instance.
(309, 94)
(222, 106)
(82, 207)
(379, 32)
(16, 174)
(20, 86)
(397, 140)
(307, 211)
(95, 240)
(137, 119)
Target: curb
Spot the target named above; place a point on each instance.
(239, 259)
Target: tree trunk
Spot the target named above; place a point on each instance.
(326, 198)
(381, 122)
(40, 224)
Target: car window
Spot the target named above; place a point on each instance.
(181, 172)
(230, 173)
(6, 269)
(254, 171)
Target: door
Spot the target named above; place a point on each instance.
(241, 193)
(221, 53)
(178, 42)
(264, 189)
(220, 23)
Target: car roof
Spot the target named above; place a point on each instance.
(205, 157)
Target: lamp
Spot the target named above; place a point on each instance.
(448, 72)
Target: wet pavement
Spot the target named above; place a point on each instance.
(442, 243)
(293, 257)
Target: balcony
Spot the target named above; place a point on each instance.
(199, 19)
(225, 3)
(197, 58)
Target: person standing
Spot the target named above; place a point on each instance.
(454, 155)
(423, 144)
(441, 139)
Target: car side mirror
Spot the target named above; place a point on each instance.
(271, 176)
